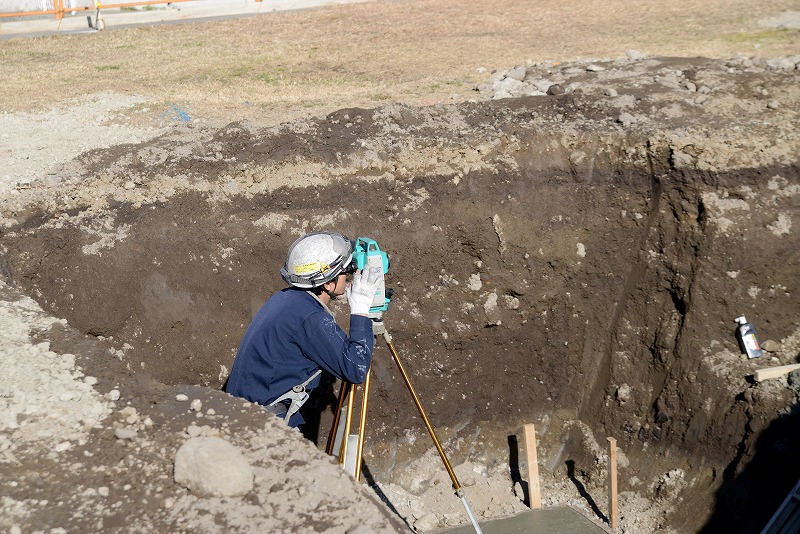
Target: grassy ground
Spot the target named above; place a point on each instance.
(417, 51)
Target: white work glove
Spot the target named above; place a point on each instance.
(361, 291)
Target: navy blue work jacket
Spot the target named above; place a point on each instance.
(290, 338)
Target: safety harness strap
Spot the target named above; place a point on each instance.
(297, 395)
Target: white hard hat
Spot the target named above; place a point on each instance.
(317, 258)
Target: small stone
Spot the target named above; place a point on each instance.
(635, 55)
(90, 380)
(773, 104)
(626, 119)
(427, 522)
(194, 431)
(213, 467)
(555, 89)
(691, 87)
(517, 73)
(181, 397)
(595, 68)
(624, 393)
(125, 433)
(771, 346)
(66, 397)
(780, 63)
(169, 502)
(129, 185)
(63, 446)
(519, 492)
(196, 405)
(113, 395)
(102, 491)
(611, 92)
(210, 411)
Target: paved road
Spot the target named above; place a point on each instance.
(196, 11)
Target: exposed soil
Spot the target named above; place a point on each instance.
(572, 259)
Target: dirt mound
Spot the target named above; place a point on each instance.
(573, 259)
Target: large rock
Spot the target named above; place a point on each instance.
(211, 466)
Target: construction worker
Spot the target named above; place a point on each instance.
(294, 336)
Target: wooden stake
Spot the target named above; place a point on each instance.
(613, 515)
(534, 489)
(774, 372)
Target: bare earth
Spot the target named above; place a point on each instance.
(571, 255)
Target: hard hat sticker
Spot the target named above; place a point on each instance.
(306, 268)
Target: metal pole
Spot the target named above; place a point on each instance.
(442, 455)
(362, 425)
(329, 449)
(350, 399)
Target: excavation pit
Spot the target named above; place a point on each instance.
(549, 267)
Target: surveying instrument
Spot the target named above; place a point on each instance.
(348, 447)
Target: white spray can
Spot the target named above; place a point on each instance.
(748, 340)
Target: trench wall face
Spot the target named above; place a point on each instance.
(587, 283)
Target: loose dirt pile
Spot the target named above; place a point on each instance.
(569, 246)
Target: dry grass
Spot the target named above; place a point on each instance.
(416, 51)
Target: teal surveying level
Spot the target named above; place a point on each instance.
(348, 447)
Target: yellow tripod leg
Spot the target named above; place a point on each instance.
(332, 448)
(362, 425)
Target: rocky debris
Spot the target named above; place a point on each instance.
(46, 405)
(430, 503)
(537, 78)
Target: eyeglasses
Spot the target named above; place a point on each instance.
(351, 268)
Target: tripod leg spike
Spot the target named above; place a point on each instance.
(456, 485)
(348, 390)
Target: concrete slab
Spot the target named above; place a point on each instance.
(195, 11)
(556, 520)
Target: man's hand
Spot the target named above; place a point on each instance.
(361, 291)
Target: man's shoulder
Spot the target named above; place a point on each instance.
(295, 299)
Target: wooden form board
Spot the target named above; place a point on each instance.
(534, 489)
(774, 372)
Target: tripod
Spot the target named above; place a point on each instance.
(341, 442)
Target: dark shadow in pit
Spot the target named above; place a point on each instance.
(370, 479)
(516, 475)
(747, 501)
(582, 491)
(322, 399)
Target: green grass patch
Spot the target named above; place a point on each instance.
(762, 37)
